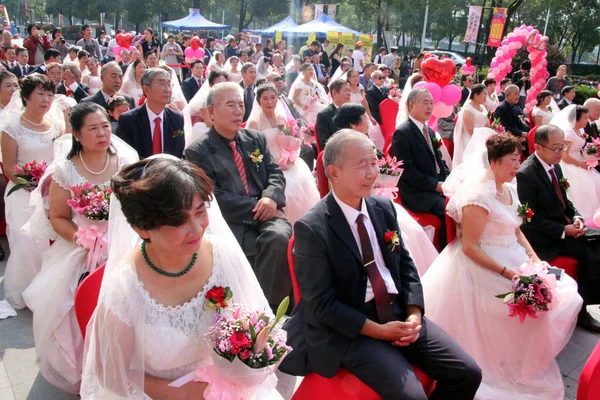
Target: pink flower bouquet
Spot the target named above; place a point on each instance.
(248, 348)
(91, 204)
(497, 126)
(386, 183)
(28, 176)
(591, 153)
(395, 93)
(533, 292)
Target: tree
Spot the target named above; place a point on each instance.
(448, 20)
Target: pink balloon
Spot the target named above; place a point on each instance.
(442, 110)
(519, 45)
(420, 85)
(492, 76)
(451, 94)
(596, 217)
(435, 90)
(499, 53)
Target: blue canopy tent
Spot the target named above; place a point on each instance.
(282, 26)
(195, 21)
(320, 26)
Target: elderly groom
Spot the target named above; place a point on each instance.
(362, 301)
(249, 188)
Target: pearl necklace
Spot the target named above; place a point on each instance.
(503, 191)
(92, 172)
(32, 123)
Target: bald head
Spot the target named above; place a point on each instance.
(593, 106)
(112, 78)
(512, 94)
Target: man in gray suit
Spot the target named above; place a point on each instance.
(249, 188)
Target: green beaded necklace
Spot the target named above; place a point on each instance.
(165, 273)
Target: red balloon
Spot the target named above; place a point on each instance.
(195, 43)
(469, 61)
(428, 55)
(124, 40)
(438, 71)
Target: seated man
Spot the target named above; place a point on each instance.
(249, 188)
(376, 94)
(424, 169)
(362, 301)
(511, 115)
(568, 95)
(112, 80)
(340, 93)
(556, 227)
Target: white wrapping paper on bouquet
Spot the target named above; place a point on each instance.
(92, 235)
(387, 186)
(234, 380)
(290, 150)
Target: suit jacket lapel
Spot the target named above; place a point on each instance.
(543, 174)
(378, 221)
(339, 224)
(225, 158)
(421, 138)
(248, 146)
(144, 126)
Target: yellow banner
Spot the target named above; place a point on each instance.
(334, 38)
(311, 38)
(367, 42)
(349, 40)
(278, 35)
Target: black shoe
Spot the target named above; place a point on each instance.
(586, 321)
(2, 255)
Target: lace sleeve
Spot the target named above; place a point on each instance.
(471, 194)
(11, 128)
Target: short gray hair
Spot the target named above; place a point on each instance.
(109, 65)
(510, 88)
(591, 101)
(247, 66)
(217, 90)
(414, 95)
(336, 146)
(151, 73)
(73, 68)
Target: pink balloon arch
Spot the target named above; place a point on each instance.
(535, 43)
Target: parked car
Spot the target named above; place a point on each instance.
(457, 58)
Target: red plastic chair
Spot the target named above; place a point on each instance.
(589, 380)
(531, 140)
(451, 232)
(344, 385)
(388, 110)
(86, 297)
(425, 219)
(450, 146)
(317, 142)
(322, 180)
(571, 267)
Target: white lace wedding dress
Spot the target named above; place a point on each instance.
(309, 106)
(517, 359)
(58, 340)
(25, 258)
(462, 136)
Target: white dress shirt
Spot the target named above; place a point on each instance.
(152, 117)
(419, 124)
(107, 97)
(351, 215)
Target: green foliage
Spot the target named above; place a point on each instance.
(584, 92)
(584, 69)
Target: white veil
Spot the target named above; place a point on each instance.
(403, 106)
(192, 109)
(566, 119)
(114, 356)
(129, 85)
(261, 68)
(320, 90)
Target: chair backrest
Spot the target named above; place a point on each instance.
(531, 140)
(450, 223)
(6, 180)
(449, 146)
(589, 380)
(322, 180)
(388, 110)
(86, 297)
(317, 142)
(290, 255)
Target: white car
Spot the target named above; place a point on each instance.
(457, 58)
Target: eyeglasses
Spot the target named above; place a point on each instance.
(167, 85)
(555, 151)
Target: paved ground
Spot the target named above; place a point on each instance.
(21, 380)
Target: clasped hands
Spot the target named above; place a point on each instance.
(266, 209)
(402, 334)
(576, 229)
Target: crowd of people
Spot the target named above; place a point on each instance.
(211, 166)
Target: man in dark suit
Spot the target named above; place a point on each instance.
(556, 227)
(191, 85)
(248, 83)
(424, 168)
(112, 79)
(593, 106)
(362, 304)
(325, 127)
(125, 60)
(522, 79)
(568, 95)
(50, 56)
(366, 78)
(153, 128)
(467, 84)
(376, 94)
(70, 85)
(511, 115)
(320, 70)
(22, 69)
(249, 188)
(10, 61)
(503, 84)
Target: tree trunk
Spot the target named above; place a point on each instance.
(450, 41)
(117, 18)
(379, 24)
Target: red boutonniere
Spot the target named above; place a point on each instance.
(177, 133)
(586, 136)
(564, 183)
(391, 239)
(437, 143)
(218, 297)
(525, 212)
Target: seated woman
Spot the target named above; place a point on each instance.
(517, 359)
(132, 81)
(472, 116)
(306, 94)
(542, 113)
(231, 67)
(584, 190)
(152, 314)
(268, 117)
(491, 99)
(93, 158)
(419, 245)
(92, 79)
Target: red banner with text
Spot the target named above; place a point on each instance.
(497, 27)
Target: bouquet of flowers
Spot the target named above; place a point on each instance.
(395, 93)
(386, 183)
(248, 348)
(533, 291)
(308, 132)
(28, 176)
(290, 141)
(497, 126)
(591, 153)
(91, 204)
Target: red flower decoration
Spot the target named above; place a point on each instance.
(391, 239)
(240, 340)
(218, 297)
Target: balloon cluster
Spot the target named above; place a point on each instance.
(535, 43)
(438, 74)
(123, 43)
(468, 68)
(195, 51)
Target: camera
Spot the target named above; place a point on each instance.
(63, 41)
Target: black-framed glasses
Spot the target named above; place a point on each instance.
(555, 151)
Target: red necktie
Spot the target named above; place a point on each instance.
(382, 298)
(157, 137)
(69, 92)
(239, 163)
(559, 193)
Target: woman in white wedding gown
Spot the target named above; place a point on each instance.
(543, 112)
(300, 187)
(307, 94)
(148, 328)
(28, 134)
(132, 81)
(517, 359)
(473, 117)
(584, 190)
(58, 341)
